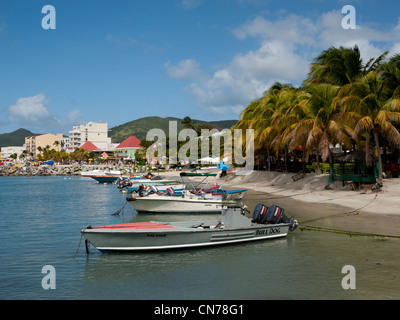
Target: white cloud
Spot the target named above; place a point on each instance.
(187, 69)
(248, 76)
(293, 29)
(32, 112)
(29, 109)
(286, 47)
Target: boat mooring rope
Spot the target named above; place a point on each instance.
(342, 213)
(350, 233)
(89, 227)
(119, 211)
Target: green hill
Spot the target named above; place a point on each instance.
(140, 127)
(15, 138)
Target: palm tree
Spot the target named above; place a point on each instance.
(366, 109)
(318, 124)
(56, 143)
(390, 72)
(337, 66)
(188, 123)
(269, 116)
(340, 66)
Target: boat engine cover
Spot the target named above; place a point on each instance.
(259, 213)
(274, 214)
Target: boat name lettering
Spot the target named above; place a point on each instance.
(268, 231)
(156, 235)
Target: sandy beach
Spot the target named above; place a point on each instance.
(316, 208)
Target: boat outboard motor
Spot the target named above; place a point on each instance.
(148, 191)
(273, 215)
(169, 192)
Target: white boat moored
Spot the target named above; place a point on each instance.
(232, 227)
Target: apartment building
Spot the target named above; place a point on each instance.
(6, 152)
(42, 140)
(95, 132)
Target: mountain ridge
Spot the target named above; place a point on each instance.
(15, 138)
(141, 126)
(138, 128)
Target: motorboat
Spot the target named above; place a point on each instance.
(92, 173)
(185, 202)
(232, 227)
(102, 176)
(218, 192)
(158, 188)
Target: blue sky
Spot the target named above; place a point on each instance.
(116, 61)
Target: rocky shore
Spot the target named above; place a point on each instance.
(52, 170)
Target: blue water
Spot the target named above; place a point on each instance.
(40, 225)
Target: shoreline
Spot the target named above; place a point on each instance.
(335, 209)
(314, 206)
(52, 170)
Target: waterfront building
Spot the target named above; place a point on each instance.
(88, 146)
(32, 143)
(6, 152)
(127, 148)
(95, 132)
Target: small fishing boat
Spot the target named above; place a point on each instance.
(218, 192)
(185, 202)
(158, 188)
(232, 227)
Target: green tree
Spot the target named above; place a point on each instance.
(365, 108)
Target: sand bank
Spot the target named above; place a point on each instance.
(316, 207)
(335, 208)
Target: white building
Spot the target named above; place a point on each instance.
(95, 132)
(65, 144)
(6, 152)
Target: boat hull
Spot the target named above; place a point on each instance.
(104, 179)
(168, 237)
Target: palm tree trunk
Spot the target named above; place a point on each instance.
(318, 164)
(286, 159)
(378, 150)
(331, 177)
(268, 160)
(367, 152)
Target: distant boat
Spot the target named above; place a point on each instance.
(102, 176)
(232, 227)
(94, 173)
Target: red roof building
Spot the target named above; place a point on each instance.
(130, 142)
(88, 146)
(127, 148)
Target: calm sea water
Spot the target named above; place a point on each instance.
(40, 223)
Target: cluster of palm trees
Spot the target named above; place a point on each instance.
(62, 156)
(343, 101)
(48, 153)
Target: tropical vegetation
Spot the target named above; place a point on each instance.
(343, 102)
